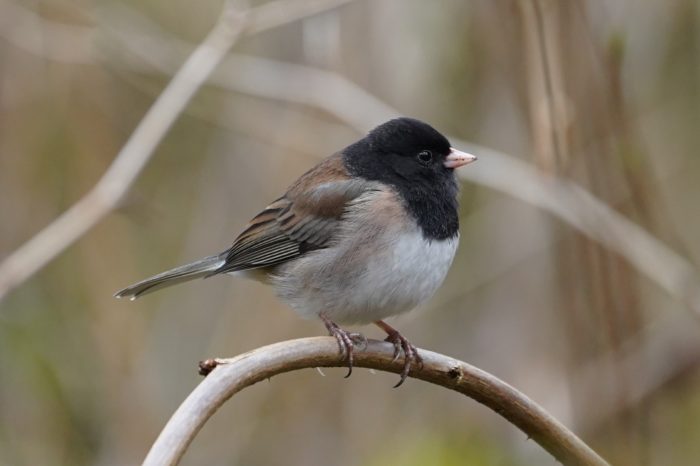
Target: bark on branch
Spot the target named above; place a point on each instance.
(233, 375)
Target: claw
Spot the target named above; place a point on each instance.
(397, 348)
(411, 356)
(345, 341)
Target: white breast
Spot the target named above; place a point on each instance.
(371, 274)
(403, 276)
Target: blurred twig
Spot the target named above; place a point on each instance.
(664, 352)
(233, 375)
(350, 103)
(563, 198)
(139, 148)
(152, 48)
(68, 43)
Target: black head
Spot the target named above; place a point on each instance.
(412, 157)
(404, 139)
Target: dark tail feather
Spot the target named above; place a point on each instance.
(197, 269)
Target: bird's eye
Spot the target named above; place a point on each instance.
(425, 157)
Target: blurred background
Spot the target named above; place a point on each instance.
(605, 93)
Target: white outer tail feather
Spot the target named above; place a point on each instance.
(184, 273)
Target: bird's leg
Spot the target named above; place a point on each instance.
(345, 340)
(410, 352)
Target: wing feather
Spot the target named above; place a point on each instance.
(305, 219)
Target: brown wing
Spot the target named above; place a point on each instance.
(304, 219)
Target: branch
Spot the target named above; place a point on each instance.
(132, 158)
(233, 375)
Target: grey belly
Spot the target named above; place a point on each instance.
(350, 283)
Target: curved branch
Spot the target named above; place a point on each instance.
(105, 196)
(233, 375)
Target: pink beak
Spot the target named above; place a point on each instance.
(457, 158)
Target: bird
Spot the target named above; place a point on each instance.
(367, 234)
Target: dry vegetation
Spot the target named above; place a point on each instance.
(604, 93)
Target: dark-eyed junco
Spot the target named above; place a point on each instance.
(366, 234)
